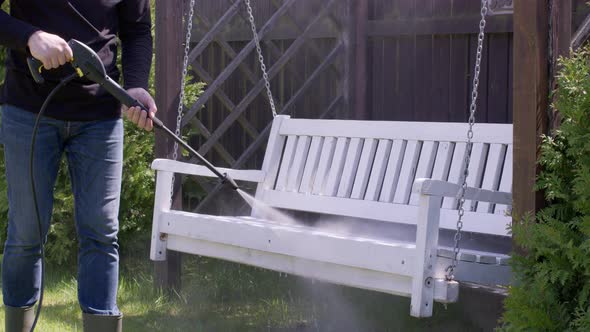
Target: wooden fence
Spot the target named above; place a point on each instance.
(414, 63)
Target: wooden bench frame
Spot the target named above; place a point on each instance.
(405, 268)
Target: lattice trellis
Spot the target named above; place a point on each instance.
(286, 36)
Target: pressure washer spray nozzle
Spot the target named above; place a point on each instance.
(227, 180)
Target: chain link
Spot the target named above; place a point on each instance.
(261, 58)
(472, 109)
(189, 29)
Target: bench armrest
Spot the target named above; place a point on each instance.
(440, 188)
(200, 170)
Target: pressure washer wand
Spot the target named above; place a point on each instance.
(118, 92)
(88, 64)
(122, 95)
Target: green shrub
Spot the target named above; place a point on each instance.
(551, 291)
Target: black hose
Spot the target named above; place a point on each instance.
(32, 176)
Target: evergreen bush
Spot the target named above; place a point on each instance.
(551, 290)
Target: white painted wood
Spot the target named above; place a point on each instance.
(442, 163)
(447, 189)
(354, 169)
(298, 164)
(272, 157)
(426, 243)
(398, 213)
(411, 131)
(325, 161)
(173, 166)
(287, 240)
(425, 165)
(350, 166)
(364, 169)
(476, 168)
(162, 203)
(311, 164)
(506, 183)
(378, 171)
(335, 170)
(491, 179)
(335, 273)
(407, 173)
(456, 172)
(286, 162)
(394, 166)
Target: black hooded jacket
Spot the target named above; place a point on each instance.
(102, 25)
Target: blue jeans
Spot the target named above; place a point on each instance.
(94, 152)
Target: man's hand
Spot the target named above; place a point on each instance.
(50, 49)
(135, 114)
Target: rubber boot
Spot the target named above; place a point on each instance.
(18, 319)
(102, 323)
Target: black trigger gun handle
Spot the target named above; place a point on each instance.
(36, 68)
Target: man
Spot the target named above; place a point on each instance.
(84, 122)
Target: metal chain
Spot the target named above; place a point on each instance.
(189, 28)
(473, 107)
(261, 58)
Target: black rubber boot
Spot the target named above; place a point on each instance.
(102, 323)
(18, 319)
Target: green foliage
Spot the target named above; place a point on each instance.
(137, 195)
(552, 282)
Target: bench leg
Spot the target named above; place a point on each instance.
(167, 265)
(167, 273)
(426, 247)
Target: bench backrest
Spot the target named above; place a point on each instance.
(366, 169)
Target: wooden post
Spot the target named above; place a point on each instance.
(356, 59)
(531, 83)
(561, 36)
(169, 32)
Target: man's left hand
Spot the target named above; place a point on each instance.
(135, 114)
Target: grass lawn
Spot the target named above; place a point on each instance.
(222, 296)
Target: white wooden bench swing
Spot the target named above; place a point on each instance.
(401, 181)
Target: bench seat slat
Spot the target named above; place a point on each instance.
(255, 234)
(335, 273)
